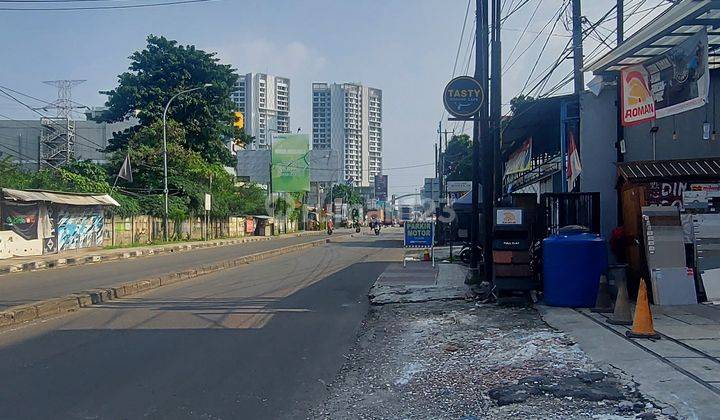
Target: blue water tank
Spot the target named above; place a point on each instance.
(573, 261)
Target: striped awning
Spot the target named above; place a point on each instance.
(704, 168)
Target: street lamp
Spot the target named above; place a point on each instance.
(165, 169)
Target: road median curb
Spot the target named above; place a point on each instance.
(53, 307)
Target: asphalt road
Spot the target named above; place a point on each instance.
(26, 287)
(256, 342)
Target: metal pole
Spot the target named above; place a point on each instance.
(165, 171)
(487, 152)
(620, 8)
(480, 131)
(578, 77)
(165, 168)
(496, 102)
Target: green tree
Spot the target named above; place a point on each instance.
(163, 69)
(519, 102)
(347, 193)
(458, 158)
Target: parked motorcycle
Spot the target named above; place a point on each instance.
(466, 253)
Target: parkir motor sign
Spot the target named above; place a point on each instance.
(638, 104)
(463, 97)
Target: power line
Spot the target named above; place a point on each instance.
(103, 7)
(457, 54)
(542, 50)
(462, 34)
(43, 116)
(532, 16)
(557, 15)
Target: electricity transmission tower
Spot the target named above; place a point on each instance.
(57, 139)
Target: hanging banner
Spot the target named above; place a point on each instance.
(290, 168)
(679, 78)
(21, 218)
(521, 159)
(637, 101)
(381, 187)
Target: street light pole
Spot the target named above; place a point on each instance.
(165, 157)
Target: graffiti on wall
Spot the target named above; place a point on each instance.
(78, 227)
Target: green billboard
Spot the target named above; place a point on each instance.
(290, 169)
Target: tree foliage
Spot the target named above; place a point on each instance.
(189, 177)
(347, 193)
(163, 69)
(519, 102)
(458, 158)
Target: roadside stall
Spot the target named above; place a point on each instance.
(36, 222)
(671, 214)
(264, 225)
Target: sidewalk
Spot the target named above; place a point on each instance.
(426, 352)
(681, 369)
(418, 281)
(94, 255)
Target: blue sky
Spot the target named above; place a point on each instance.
(404, 47)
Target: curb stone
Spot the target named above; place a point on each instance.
(49, 308)
(90, 259)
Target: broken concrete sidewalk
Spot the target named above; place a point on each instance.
(419, 282)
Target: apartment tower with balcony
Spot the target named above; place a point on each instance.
(347, 120)
(264, 100)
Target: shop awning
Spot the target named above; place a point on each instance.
(665, 32)
(707, 168)
(72, 199)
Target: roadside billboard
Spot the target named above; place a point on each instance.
(381, 187)
(679, 78)
(289, 165)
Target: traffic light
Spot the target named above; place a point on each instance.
(239, 120)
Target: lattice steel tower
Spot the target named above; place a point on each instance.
(57, 139)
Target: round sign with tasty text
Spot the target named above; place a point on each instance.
(463, 97)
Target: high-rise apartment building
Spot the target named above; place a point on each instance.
(347, 119)
(264, 100)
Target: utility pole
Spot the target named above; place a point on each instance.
(620, 21)
(441, 181)
(496, 100)
(620, 9)
(480, 133)
(577, 48)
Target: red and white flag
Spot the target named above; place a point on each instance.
(574, 168)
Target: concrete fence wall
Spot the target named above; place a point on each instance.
(145, 229)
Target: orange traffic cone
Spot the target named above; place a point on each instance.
(603, 303)
(642, 322)
(622, 315)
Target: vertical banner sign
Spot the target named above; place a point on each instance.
(638, 105)
(679, 78)
(521, 159)
(290, 168)
(418, 234)
(381, 187)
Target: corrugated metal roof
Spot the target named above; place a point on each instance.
(663, 33)
(665, 169)
(60, 197)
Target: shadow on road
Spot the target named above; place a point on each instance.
(186, 357)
